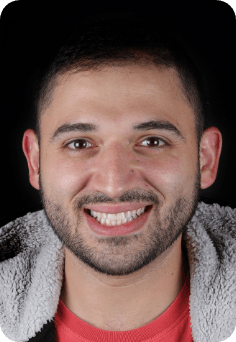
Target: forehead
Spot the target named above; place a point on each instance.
(117, 95)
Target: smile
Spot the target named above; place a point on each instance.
(130, 225)
(117, 219)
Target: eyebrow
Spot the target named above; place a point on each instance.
(90, 127)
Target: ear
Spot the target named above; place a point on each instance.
(31, 150)
(210, 150)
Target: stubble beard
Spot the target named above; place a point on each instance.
(122, 255)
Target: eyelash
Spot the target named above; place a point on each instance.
(78, 150)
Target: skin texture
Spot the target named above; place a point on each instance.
(125, 282)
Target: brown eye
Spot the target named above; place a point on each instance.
(154, 142)
(79, 144)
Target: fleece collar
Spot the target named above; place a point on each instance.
(31, 281)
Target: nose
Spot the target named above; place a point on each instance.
(116, 170)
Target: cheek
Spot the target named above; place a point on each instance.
(65, 178)
(169, 171)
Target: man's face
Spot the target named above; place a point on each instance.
(117, 164)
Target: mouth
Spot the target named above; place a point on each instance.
(147, 208)
(104, 226)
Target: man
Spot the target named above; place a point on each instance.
(123, 250)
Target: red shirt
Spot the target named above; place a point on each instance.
(172, 326)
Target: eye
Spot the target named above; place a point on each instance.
(155, 142)
(79, 143)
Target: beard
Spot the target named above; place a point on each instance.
(121, 255)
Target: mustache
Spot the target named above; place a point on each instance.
(137, 195)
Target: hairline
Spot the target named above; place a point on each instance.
(46, 100)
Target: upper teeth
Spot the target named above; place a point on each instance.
(113, 219)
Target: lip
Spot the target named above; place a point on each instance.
(112, 209)
(120, 230)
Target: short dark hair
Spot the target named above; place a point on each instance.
(121, 39)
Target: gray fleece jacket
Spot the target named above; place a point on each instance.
(32, 269)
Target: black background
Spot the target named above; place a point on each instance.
(30, 32)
